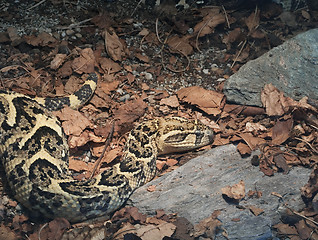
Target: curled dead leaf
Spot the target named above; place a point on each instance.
(85, 63)
(115, 48)
(235, 192)
(209, 101)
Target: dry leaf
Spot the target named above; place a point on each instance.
(252, 22)
(243, 149)
(255, 210)
(281, 131)
(151, 188)
(207, 100)
(109, 66)
(115, 48)
(57, 61)
(180, 44)
(208, 24)
(160, 231)
(252, 142)
(171, 101)
(85, 63)
(208, 227)
(78, 166)
(73, 122)
(236, 192)
(108, 87)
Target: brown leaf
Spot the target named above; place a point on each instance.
(78, 166)
(55, 229)
(208, 227)
(207, 100)
(109, 66)
(304, 231)
(252, 22)
(7, 233)
(171, 162)
(136, 215)
(244, 110)
(271, 99)
(130, 111)
(255, 210)
(85, 63)
(220, 141)
(311, 188)
(111, 155)
(156, 231)
(57, 61)
(285, 229)
(171, 101)
(180, 44)
(115, 48)
(73, 122)
(208, 24)
(233, 36)
(142, 57)
(243, 149)
(108, 87)
(280, 162)
(236, 192)
(43, 39)
(252, 142)
(277, 104)
(85, 137)
(151, 188)
(281, 131)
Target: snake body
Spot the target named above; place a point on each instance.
(34, 154)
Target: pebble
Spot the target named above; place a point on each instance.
(124, 98)
(5, 200)
(78, 35)
(69, 32)
(148, 76)
(63, 34)
(205, 71)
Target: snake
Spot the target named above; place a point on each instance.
(34, 154)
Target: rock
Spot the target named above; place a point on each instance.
(291, 67)
(193, 191)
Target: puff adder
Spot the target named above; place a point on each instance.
(34, 154)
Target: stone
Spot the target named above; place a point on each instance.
(193, 191)
(291, 67)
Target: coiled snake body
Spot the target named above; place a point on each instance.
(34, 154)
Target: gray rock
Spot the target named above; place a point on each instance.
(292, 67)
(193, 191)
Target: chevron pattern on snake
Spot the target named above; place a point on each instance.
(34, 154)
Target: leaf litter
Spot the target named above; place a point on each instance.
(285, 130)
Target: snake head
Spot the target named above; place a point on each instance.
(179, 135)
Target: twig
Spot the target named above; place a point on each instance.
(75, 25)
(300, 215)
(226, 18)
(110, 135)
(157, 31)
(135, 9)
(308, 143)
(35, 5)
(201, 29)
(40, 230)
(185, 68)
(239, 53)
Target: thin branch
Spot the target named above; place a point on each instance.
(226, 17)
(35, 5)
(109, 137)
(239, 53)
(308, 143)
